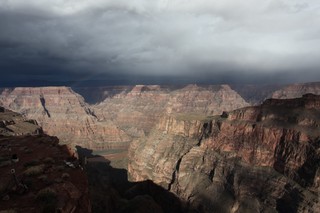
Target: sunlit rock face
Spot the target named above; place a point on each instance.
(143, 106)
(126, 113)
(135, 110)
(255, 159)
(297, 90)
(63, 113)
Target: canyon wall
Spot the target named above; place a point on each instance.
(127, 112)
(63, 113)
(297, 90)
(140, 109)
(257, 93)
(255, 159)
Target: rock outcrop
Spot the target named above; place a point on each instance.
(63, 113)
(12, 123)
(256, 159)
(38, 174)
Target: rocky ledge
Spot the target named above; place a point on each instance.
(38, 174)
(12, 123)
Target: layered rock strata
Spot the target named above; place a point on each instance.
(128, 112)
(63, 113)
(297, 90)
(140, 109)
(255, 159)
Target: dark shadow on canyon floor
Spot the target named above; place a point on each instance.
(110, 190)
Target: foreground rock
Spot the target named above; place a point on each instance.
(12, 123)
(255, 159)
(34, 174)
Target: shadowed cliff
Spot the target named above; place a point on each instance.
(110, 190)
(255, 159)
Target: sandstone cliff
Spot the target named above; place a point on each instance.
(63, 113)
(128, 112)
(255, 159)
(138, 110)
(135, 110)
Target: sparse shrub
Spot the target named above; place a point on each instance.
(48, 199)
(60, 168)
(31, 163)
(5, 163)
(34, 170)
(46, 195)
(48, 160)
(65, 176)
(28, 151)
(49, 208)
(43, 177)
(8, 211)
(28, 181)
(3, 187)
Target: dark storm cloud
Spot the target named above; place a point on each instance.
(200, 40)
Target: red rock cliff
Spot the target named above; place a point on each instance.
(263, 158)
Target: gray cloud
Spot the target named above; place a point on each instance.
(177, 38)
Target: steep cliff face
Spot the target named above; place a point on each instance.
(210, 100)
(255, 159)
(297, 90)
(95, 95)
(256, 93)
(135, 110)
(140, 109)
(127, 112)
(63, 113)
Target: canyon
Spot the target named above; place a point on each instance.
(126, 113)
(63, 113)
(193, 148)
(261, 158)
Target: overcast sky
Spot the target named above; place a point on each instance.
(143, 40)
